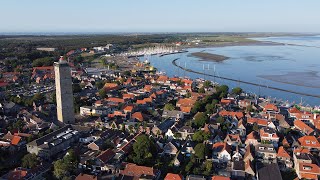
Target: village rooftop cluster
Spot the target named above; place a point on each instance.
(139, 124)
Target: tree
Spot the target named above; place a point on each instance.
(99, 84)
(200, 136)
(199, 150)
(201, 90)
(19, 125)
(143, 150)
(189, 166)
(220, 120)
(61, 169)
(46, 61)
(210, 108)
(237, 90)
(76, 88)
(207, 84)
(223, 88)
(255, 127)
(208, 167)
(102, 93)
(249, 108)
(127, 73)
(38, 97)
(29, 161)
(200, 119)
(169, 107)
(53, 97)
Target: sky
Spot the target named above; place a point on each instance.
(160, 16)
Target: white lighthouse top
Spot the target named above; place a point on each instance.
(61, 60)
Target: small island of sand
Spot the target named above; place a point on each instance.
(209, 57)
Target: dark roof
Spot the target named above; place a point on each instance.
(268, 171)
(166, 125)
(239, 165)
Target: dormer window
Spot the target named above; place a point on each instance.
(308, 142)
(313, 142)
(261, 148)
(270, 135)
(306, 168)
(270, 149)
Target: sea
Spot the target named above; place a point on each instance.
(294, 65)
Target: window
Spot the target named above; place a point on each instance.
(270, 149)
(308, 142)
(313, 142)
(261, 148)
(306, 168)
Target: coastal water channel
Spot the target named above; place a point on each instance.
(294, 66)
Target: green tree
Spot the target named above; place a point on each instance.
(46, 61)
(198, 106)
(207, 84)
(200, 136)
(237, 90)
(61, 169)
(53, 97)
(30, 161)
(169, 107)
(99, 84)
(208, 168)
(19, 124)
(76, 88)
(249, 108)
(199, 150)
(102, 93)
(143, 150)
(220, 120)
(223, 88)
(201, 90)
(255, 127)
(38, 97)
(189, 167)
(200, 119)
(210, 108)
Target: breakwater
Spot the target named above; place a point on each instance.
(245, 82)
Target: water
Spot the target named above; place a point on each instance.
(294, 66)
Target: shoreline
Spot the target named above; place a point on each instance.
(253, 43)
(245, 82)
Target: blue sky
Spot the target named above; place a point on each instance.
(159, 16)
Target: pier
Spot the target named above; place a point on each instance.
(245, 82)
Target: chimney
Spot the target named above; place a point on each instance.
(315, 116)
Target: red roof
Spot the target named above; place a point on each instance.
(171, 176)
(220, 178)
(271, 107)
(106, 155)
(137, 171)
(303, 127)
(138, 116)
(86, 177)
(3, 84)
(17, 174)
(282, 152)
(309, 141)
(239, 115)
(259, 121)
(15, 140)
